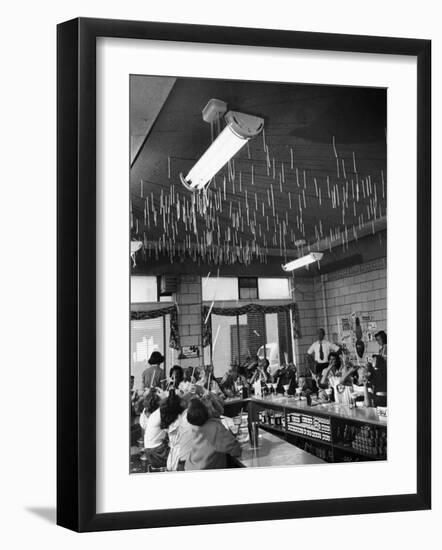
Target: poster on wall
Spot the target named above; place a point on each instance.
(189, 352)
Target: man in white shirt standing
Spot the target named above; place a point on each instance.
(320, 350)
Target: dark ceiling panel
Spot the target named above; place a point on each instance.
(147, 97)
(305, 188)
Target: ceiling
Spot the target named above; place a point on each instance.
(147, 97)
(323, 180)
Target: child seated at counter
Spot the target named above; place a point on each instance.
(261, 373)
(286, 376)
(180, 437)
(151, 402)
(212, 442)
(208, 382)
(306, 384)
(156, 447)
(176, 377)
(363, 384)
(339, 376)
(228, 382)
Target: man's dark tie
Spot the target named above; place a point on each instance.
(321, 351)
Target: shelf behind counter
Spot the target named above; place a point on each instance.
(333, 432)
(366, 415)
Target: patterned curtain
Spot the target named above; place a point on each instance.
(207, 312)
(174, 340)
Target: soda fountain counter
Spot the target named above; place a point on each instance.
(329, 431)
(273, 451)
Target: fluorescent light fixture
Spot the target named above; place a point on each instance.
(305, 260)
(240, 128)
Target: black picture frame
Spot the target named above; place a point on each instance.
(76, 273)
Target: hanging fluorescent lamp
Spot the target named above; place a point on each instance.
(239, 129)
(305, 260)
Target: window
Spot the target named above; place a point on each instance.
(146, 336)
(278, 349)
(225, 350)
(248, 288)
(235, 338)
(273, 288)
(143, 289)
(219, 288)
(245, 288)
(146, 289)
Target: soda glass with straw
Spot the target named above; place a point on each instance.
(242, 428)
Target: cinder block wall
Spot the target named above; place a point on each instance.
(189, 314)
(361, 289)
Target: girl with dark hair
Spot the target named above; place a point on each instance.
(212, 442)
(339, 376)
(334, 366)
(153, 375)
(189, 379)
(322, 381)
(205, 376)
(170, 409)
(248, 369)
(381, 339)
(285, 376)
(176, 375)
(180, 437)
(208, 382)
(197, 413)
(261, 373)
(151, 402)
(228, 381)
(213, 403)
(156, 447)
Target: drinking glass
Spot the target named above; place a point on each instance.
(236, 425)
(353, 396)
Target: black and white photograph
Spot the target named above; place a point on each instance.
(231, 236)
(258, 274)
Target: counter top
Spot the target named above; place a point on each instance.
(274, 451)
(363, 414)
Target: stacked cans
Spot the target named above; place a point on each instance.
(370, 441)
